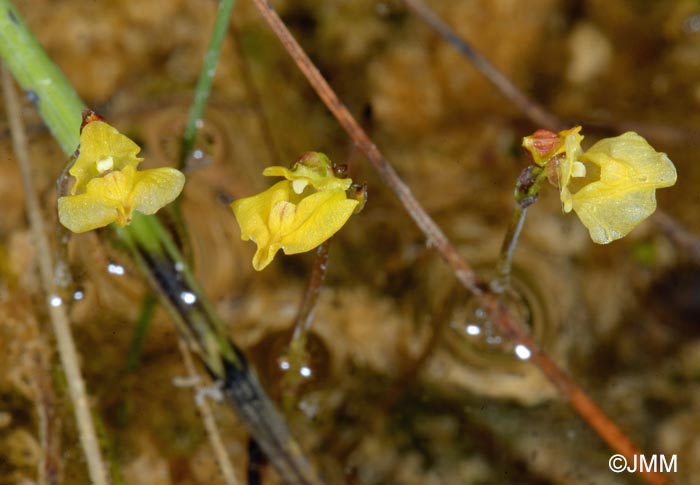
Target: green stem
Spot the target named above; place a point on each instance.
(505, 259)
(42, 81)
(206, 78)
(199, 103)
(527, 189)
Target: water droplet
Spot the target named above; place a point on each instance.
(198, 154)
(188, 297)
(78, 295)
(179, 267)
(116, 269)
(522, 352)
(284, 364)
(55, 301)
(472, 329)
(305, 371)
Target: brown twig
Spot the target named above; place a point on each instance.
(57, 309)
(532, 109)
(499, 314)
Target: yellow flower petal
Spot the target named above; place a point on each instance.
(630, 172)
(279, 218)
(312, 168)
(114, 196)
(156, 188)
(569, 166)
(253, 215)
(85, 212)
(102, 148)
(317, 218)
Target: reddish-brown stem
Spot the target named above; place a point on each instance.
(579, 400)
(318, 275)
(296, 355)
(499, 314)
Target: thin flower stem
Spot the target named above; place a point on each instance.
(318, 275)
(206, 78)
(527, 189)
(57, 309)
(501, 283)
(499, 314)
(296, 354)
(533, 110)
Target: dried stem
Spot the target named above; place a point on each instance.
(210, 425)
(499, 314)
(57, 310)
(533, 110)
(49, 424)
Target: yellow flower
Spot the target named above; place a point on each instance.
(108, 188)
(569, 166)
(630, 172)
(102, 149)
(296, 214)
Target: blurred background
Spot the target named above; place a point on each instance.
(409, 384)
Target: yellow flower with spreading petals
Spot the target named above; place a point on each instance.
(623, 195)
(108, 187)
(296, 214)
(630, 172)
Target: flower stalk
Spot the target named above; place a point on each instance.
(527, 189)
(297, 356)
